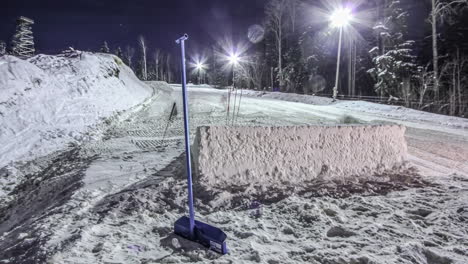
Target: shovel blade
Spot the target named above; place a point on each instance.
(205, 234)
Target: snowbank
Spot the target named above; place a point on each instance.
(383, 110)
(290, 97)
(403, 113)
(48, 101)
(275, 156)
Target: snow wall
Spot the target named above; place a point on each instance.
(274, 156)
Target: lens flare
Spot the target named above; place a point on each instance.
(341, 17)
(233, 58)
(200, 66)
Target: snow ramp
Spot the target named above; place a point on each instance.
(229, 157)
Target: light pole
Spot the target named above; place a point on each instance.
(234, 60)
(339, 19)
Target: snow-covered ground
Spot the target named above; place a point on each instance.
(398, 113)
(47, 102)
(115, 199)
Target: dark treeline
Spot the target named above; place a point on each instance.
(148, 64)
(380, 57)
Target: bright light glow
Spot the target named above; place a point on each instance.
(200, 66)
(341, 17)
(233, 59)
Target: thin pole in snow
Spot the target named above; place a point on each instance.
(235, 94)
(240, 100)
(181, 41)
(170, 119)
(228, 105)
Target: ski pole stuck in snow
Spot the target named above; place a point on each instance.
(173, 113)
(187, 227)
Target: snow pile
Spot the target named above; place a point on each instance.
(290, 97)
(292, 156)
(48, 101)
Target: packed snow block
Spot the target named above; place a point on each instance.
(226, 157)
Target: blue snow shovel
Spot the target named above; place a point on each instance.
(187, 227)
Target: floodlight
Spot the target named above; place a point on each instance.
(341, 17)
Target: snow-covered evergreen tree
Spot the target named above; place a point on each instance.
(2, 48)
(105, 48)
(22, 44)
(393, 61)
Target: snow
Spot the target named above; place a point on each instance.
(229, 157)
(48, 102)
(389, 112)
(405, 114)
(299, 98)
(115, 198)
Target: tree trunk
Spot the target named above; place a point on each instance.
(452, 99)
(350, 65)
(380, 39)
(459, 72)
(145, 70)
(272, 79)
(168, 68)
(293, 10)
(156, 66)
(382, 14)
(143, 59)
(406, 90)
(157, 69)
(353, 89)
(435, 54)
(280, 57)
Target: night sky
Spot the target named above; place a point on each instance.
(86, 24)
